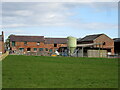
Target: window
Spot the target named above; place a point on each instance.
(35, 49)
(28, 49)
(104, 43)
(50, 50)
(55, 45)
(13, 43)
(21, 49)
(25, 43)
(46, 49)
(40, 49)
(38, 43)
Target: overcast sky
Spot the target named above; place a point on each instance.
(62, 19)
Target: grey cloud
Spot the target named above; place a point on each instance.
(39, 13)
(24, 14)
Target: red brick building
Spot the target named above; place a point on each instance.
(98, 41)
(2, 43)
(55, 43)
(26, 44)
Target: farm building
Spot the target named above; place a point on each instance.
(98, 45)
(2, 43)
(26, 44)
(117, 45)
(55, 43)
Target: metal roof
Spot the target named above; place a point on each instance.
(116, 39)
(87, 45)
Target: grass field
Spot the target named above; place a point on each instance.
(59, 72)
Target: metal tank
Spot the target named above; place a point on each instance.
(72, 43)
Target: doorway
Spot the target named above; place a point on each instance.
(28, 49)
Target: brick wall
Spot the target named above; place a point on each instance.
(109, 43)
(33, 45)
(51, 46)
(2, 47)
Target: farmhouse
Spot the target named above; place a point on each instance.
(96, 42)
(24, 44)
(2, 43)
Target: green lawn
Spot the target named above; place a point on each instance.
(59, 72)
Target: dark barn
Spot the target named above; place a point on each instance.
(117, 45)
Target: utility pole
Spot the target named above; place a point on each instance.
(82, 51)
(99, 50)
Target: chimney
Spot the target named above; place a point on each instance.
(2, 36)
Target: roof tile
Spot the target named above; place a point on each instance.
(89, 37)
(56, 40)
(27, 38)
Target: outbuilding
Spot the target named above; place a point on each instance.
(117, 45)
(95, 42)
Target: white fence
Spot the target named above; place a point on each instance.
(4, 55)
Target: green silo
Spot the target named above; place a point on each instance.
(72, 43)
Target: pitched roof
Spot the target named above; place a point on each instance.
(56, 40)
(116, 39)
(79, 39)
(0, 37)
(27, 38)
(90, 37)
